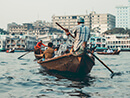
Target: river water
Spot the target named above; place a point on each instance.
(21, 78)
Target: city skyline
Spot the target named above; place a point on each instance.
(31, 10)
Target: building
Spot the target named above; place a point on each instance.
(2, 42)
(123, 16)
(18, 29)
(37, 28)
(97, 22)
(20, 42)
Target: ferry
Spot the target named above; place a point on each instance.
(118, 40)
(100, 42)
(21, 43)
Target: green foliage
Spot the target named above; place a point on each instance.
(55, 30)
(118, 31)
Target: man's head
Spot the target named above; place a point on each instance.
(50, 44)
(80, 20)
(40, 41)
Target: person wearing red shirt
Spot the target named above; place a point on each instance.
(39, 44)
(38, 47)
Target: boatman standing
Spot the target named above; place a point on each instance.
(81, 34)
(38, 47)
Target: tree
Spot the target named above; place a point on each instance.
(117, 31)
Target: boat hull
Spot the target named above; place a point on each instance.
(69, 65)
(105, 53)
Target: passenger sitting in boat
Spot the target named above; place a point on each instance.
(109, 51)
(49, 52)
(56, 52)
(38, 47)
(104, 51)
(62, 49)
(10, 49)
(118, 49)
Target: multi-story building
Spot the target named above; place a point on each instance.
(96, 22)
(123, 16)
(3, 35)
(18, 29)
(102, 22)
(36, 28)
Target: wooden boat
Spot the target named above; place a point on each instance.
(113, 53)
(38, 56)
(69, 65)
(12, 51)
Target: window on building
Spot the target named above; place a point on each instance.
(98, 45)
(103, 45)
(74, 17)
(103, 40)
(98, 40)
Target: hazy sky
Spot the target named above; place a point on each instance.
(28, 11)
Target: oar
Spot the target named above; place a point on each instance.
(24, 54)
(112, 73)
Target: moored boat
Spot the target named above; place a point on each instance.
(69, 65)
(10, 51)
(112, 53)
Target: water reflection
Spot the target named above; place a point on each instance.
(71, 86)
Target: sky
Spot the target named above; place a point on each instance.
(28, 11)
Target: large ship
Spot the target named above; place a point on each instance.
(118, 40)
(100, 42)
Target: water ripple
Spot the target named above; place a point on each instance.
(23, 78)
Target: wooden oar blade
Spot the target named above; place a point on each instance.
(24, 54)
(21, 56)
(116, 74)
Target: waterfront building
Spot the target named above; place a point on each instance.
(2, 42)
(20, 29)
(20, 42)
(123, 16)
(97, 22)
(32, 28)
(3, 35)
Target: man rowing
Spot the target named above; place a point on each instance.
(81, 34)
(38, 47)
